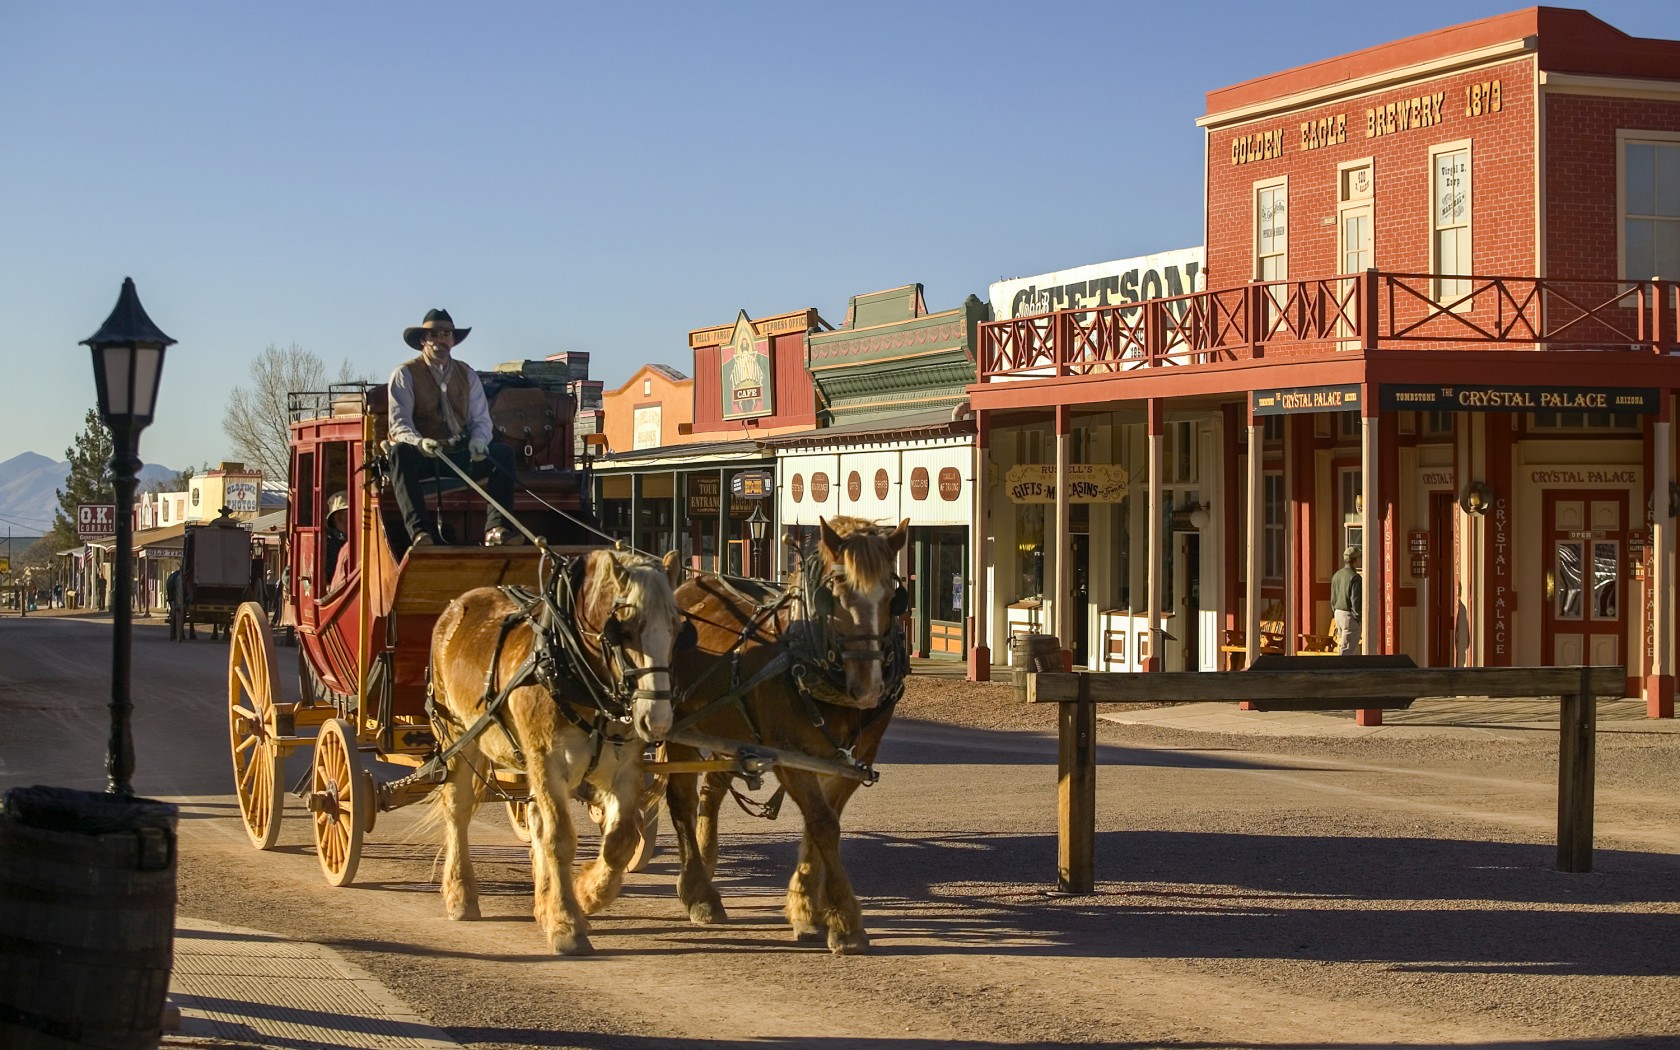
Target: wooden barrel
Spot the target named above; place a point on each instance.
(1034, 652)
(87, 919)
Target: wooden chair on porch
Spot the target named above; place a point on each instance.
(1234, 645)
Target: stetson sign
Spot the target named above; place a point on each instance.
(745, 372)
(1086, 482)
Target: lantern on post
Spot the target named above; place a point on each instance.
(757, 523)
(127, 362)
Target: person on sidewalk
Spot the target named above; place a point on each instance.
(1347, 597)
(438, 409)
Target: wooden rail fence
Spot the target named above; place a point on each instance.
(1348, 683)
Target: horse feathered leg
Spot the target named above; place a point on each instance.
(694, 881)
(712, 793)
(553, 837)
(819, 888)
(458, 797)
(599, 882)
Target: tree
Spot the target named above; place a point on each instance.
(178, 483)
(257, 420)
(88, 483)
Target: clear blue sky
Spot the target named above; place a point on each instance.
(598, 177)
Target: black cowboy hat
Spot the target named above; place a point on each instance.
(434, 319)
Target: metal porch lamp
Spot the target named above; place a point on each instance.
(127, 362)
(757, 522)
(81, 868)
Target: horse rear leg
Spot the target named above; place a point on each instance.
(458, 798)
(694, 879)
(819, 889)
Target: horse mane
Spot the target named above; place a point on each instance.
(864, 552)
(642, 574)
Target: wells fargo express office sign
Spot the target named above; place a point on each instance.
(1483, 398)
(1086, 482)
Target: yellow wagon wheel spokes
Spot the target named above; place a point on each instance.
(340, 800)
(254, 726)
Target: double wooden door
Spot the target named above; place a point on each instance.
(1584, 578)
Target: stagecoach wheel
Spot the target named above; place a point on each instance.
(253, 727)
(340, 800)
(519, 815)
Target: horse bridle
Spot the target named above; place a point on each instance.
(614, 654)
(821, 601)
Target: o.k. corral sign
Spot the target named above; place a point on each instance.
(1480, 397)
(1288, 400)
(745, 373)
(95, 519)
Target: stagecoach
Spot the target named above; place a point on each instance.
(217, 575)
(799, 681)
(364, 620)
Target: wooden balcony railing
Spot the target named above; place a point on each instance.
(1368, 311)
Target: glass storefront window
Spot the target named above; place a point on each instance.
(1029, 550)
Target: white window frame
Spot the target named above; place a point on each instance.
(1280, 182)
(1624, 138)
(1439, 290)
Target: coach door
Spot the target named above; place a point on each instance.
(1585, 614)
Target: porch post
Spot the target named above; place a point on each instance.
(635, 511)
(980, 534)
(1157, 439)
(1256, 480)
(1371, 522)
(720, 560)
(1659, 688)
(1062, 570)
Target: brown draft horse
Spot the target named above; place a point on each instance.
(849, 610)
(584, 682)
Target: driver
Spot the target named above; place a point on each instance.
(438, 409)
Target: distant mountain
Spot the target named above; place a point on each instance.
(29, 484)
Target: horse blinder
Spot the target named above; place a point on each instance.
(900, 601)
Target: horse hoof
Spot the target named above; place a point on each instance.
(856, 945)
(575, 944)
(707, 913)
(807, 934)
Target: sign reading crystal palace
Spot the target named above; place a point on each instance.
(1436, 322)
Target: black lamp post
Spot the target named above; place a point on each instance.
(756, 524)
(127, 362)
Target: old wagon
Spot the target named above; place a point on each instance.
(216, 576)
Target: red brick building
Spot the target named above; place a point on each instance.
(1439, 325)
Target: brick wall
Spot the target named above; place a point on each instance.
(1581, 178)
(1502, 180)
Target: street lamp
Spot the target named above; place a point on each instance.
(756, 524)
(127, 361)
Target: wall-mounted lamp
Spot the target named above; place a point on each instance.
(1190, 516)
(1199, 516)
(1477, 498)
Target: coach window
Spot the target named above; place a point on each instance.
(1449, 243)
(1650, 205)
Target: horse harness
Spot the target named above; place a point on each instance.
(559, 664)
(811, 654)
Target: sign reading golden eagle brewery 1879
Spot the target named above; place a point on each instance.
(745, 373)
(1086, 482)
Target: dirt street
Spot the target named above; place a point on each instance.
(1287, 892)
